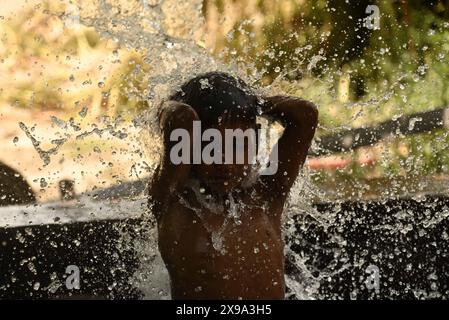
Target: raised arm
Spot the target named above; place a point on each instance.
(169, 177)
(299, 118)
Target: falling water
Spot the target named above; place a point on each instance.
(173, 50)
(175, 57)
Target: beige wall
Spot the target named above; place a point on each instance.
(8, 7)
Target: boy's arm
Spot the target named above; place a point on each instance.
(299, 118)
(170, 177)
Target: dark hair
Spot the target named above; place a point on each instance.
(213, 94)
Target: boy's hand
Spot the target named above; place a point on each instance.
(175, 114)
(290, 110)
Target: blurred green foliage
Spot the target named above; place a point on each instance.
(47, 63)
(319, 50)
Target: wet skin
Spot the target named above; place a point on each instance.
(208, 254)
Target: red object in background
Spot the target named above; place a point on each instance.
(328, 163)
(365, 158)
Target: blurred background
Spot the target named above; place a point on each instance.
(70, 96)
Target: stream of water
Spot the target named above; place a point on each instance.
(168, 32)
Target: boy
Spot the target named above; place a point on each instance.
(219, 233)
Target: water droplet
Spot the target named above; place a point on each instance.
(43, 183)
(83, 112)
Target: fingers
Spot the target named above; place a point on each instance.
(291, 110)
(273, 100)
(176, 114)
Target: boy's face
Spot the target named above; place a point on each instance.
(225, 177)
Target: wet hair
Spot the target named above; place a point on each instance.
(215, 94)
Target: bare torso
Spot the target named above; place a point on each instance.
(230, 247)
(226, 250)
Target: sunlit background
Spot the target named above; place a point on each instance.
(80, 81)
(61, 79)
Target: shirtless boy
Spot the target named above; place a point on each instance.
(219, 232)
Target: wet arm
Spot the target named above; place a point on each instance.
(169, 176)
(299, 118)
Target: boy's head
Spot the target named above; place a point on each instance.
(221, 102)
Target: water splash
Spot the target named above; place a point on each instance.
(174, 54)
(44, 155)
(173, 59)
